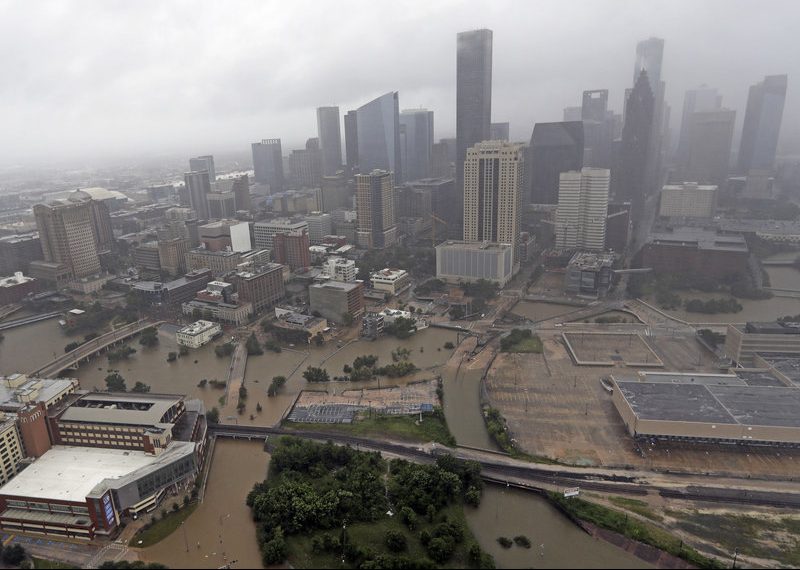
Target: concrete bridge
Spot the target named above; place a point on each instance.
(28, 320)
(85, 351)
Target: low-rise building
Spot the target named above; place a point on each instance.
(219, 262)
(393, 281)
(173, 292)
(260, 285)
(372, 325)
(688, 200)
(688, 250)
(337, 301)
(458, 261)
(14, 288)
(218, 302)
(299, 322)
(198, 333)
(743, 343)
(589, 274)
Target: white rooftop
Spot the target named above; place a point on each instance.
(67, 473)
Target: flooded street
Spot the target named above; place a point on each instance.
(556, 541)
(221, 529)
(538, 310)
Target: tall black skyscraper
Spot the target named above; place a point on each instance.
(198, 186)
(762, 124)
(205, 162)
(268, 164)
(330, 139)
(416, 143)
(351, 142)
(554, 148)
(630, 176)
(649, 58)
(473, 101)
(598, 129)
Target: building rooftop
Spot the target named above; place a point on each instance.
(591, 261)
(67, 473)
(197, 327)
(17, 279)
(700, 238)
(120, 408)
(472, 245)
(17, 390)
(340, 285)
(732, 402)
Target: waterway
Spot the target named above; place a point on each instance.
(556, 541)
(221, 529)
(222, 523)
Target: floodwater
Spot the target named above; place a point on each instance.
(221, 529)
(28, 347)
(556, 541)
(149, 365)
(462, 406)
(762, 310)
(539, 310)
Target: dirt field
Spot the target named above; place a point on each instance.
(611, 349)
(561, 411)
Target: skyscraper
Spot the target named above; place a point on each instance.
(473, 98)
(598, 129)
(418, 143)
(198, 188)
(649, 59)
(696, 100)
(554, 148)
(351, 142)
(492, 180)
(582, 209)
(709, 135)
(375, 206)
(330, 139)
(205, 162)
(67, 236)
(499, 131)
(268, 164)
(629, 183)
(241, 192)
(378, 128)
(762, 124)
(305, 165)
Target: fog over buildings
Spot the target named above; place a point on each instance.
(214, 79)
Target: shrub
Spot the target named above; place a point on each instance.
(505, 542)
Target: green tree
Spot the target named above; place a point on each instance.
(314, 374)
(213, 416)
(115, 382)
(253, 346)
(277, 383)
(149, 337)
(14, 555)
(274, 550)
(140, 388)
(172, 356)
(395, 540)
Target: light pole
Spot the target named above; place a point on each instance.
(185, 538)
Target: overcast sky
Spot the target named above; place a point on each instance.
(95, 79)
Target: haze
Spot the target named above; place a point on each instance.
(93, 80)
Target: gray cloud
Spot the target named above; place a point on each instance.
(95, 78)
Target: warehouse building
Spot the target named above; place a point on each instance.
(753, 409)
(743, 343)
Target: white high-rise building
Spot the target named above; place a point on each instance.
(582, 209)
(492, 179)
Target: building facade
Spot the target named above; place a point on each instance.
(762, 124)
(554, 148)
(416, 141)
(67, 236)
(330, 139)
(458, 261)
(337, 301)
(268, 164)
(378, 126)
(688, 200)
(582, 209)
(375, 205)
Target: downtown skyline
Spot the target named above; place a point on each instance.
(163, 86)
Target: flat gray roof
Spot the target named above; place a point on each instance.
(770, 406)
(119, 408)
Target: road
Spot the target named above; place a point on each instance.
(236, 370)
(546, 477)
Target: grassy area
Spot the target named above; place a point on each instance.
(761, 537)
(533, 344)
(521, 340)
(636, 506)
(634, 529)
(302, 555)
(404, 428)
(42, 563)
(163, 528)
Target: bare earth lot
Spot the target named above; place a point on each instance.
(561, 411)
